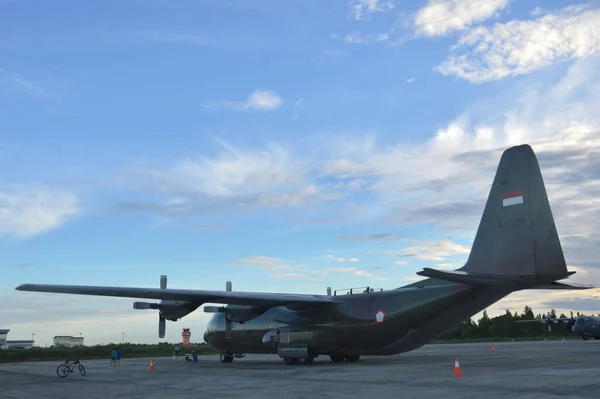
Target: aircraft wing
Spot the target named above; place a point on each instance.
(195, 296)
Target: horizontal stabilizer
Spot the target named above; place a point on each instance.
(562, 286)
(487, 279)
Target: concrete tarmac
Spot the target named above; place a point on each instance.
(517, 370)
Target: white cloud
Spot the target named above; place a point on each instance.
(381, 237)
(347, 259)
(264, 100)
(27, 211)
(261, 260)
(242, 179)
(411, 80)
(520, 47)
(359, 38)
(436, 250)
(350, 270)
(362, 9)
(440, 17)
(12, 83)
(258, 100)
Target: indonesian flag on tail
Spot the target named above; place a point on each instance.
(514, 197)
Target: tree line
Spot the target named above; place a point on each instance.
(506, 326)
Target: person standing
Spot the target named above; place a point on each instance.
(175, 352)
(113, 357)
(195, 353)
(118, 353)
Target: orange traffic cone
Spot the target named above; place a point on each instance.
(493, 349)
(151, 367)
(457, 372)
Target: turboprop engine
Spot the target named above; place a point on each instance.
(167, 309)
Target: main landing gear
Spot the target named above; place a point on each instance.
(310, 360)
(228, 357)
(341, 358)
(289, 361)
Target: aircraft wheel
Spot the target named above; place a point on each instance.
(225, 358)
(352, 358)
(336, 358)
(307, 360)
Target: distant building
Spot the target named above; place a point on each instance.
(23, 344)
(3, 336)
(68, 341)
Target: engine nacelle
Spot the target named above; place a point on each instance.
(175, 310)
(238, 314)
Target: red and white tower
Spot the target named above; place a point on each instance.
(185, 335)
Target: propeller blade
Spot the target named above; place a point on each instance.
(161, 326)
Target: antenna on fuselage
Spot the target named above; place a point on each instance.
(227, 320)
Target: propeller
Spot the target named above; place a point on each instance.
(161, 320)
(227, 320)
(148, 305)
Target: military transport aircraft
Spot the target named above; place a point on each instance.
(516, 247)
(585, 326)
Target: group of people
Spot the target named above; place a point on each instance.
(188, 356)
(115, 356)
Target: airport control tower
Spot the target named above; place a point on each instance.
(185, 335)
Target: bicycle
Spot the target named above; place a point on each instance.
(67, 368)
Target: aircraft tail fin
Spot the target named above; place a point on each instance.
(517, 236)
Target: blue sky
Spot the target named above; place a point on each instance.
(287, 146)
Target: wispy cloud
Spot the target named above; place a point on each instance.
(30, 210)
(258, 100)
(363, 9)
(259, 260)
(440, 17)
(388, 37)
(347, 259)
(370, 238)
(198, 39)
(18, 84)
(521, 46)
(351, 270)
(435, 250)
